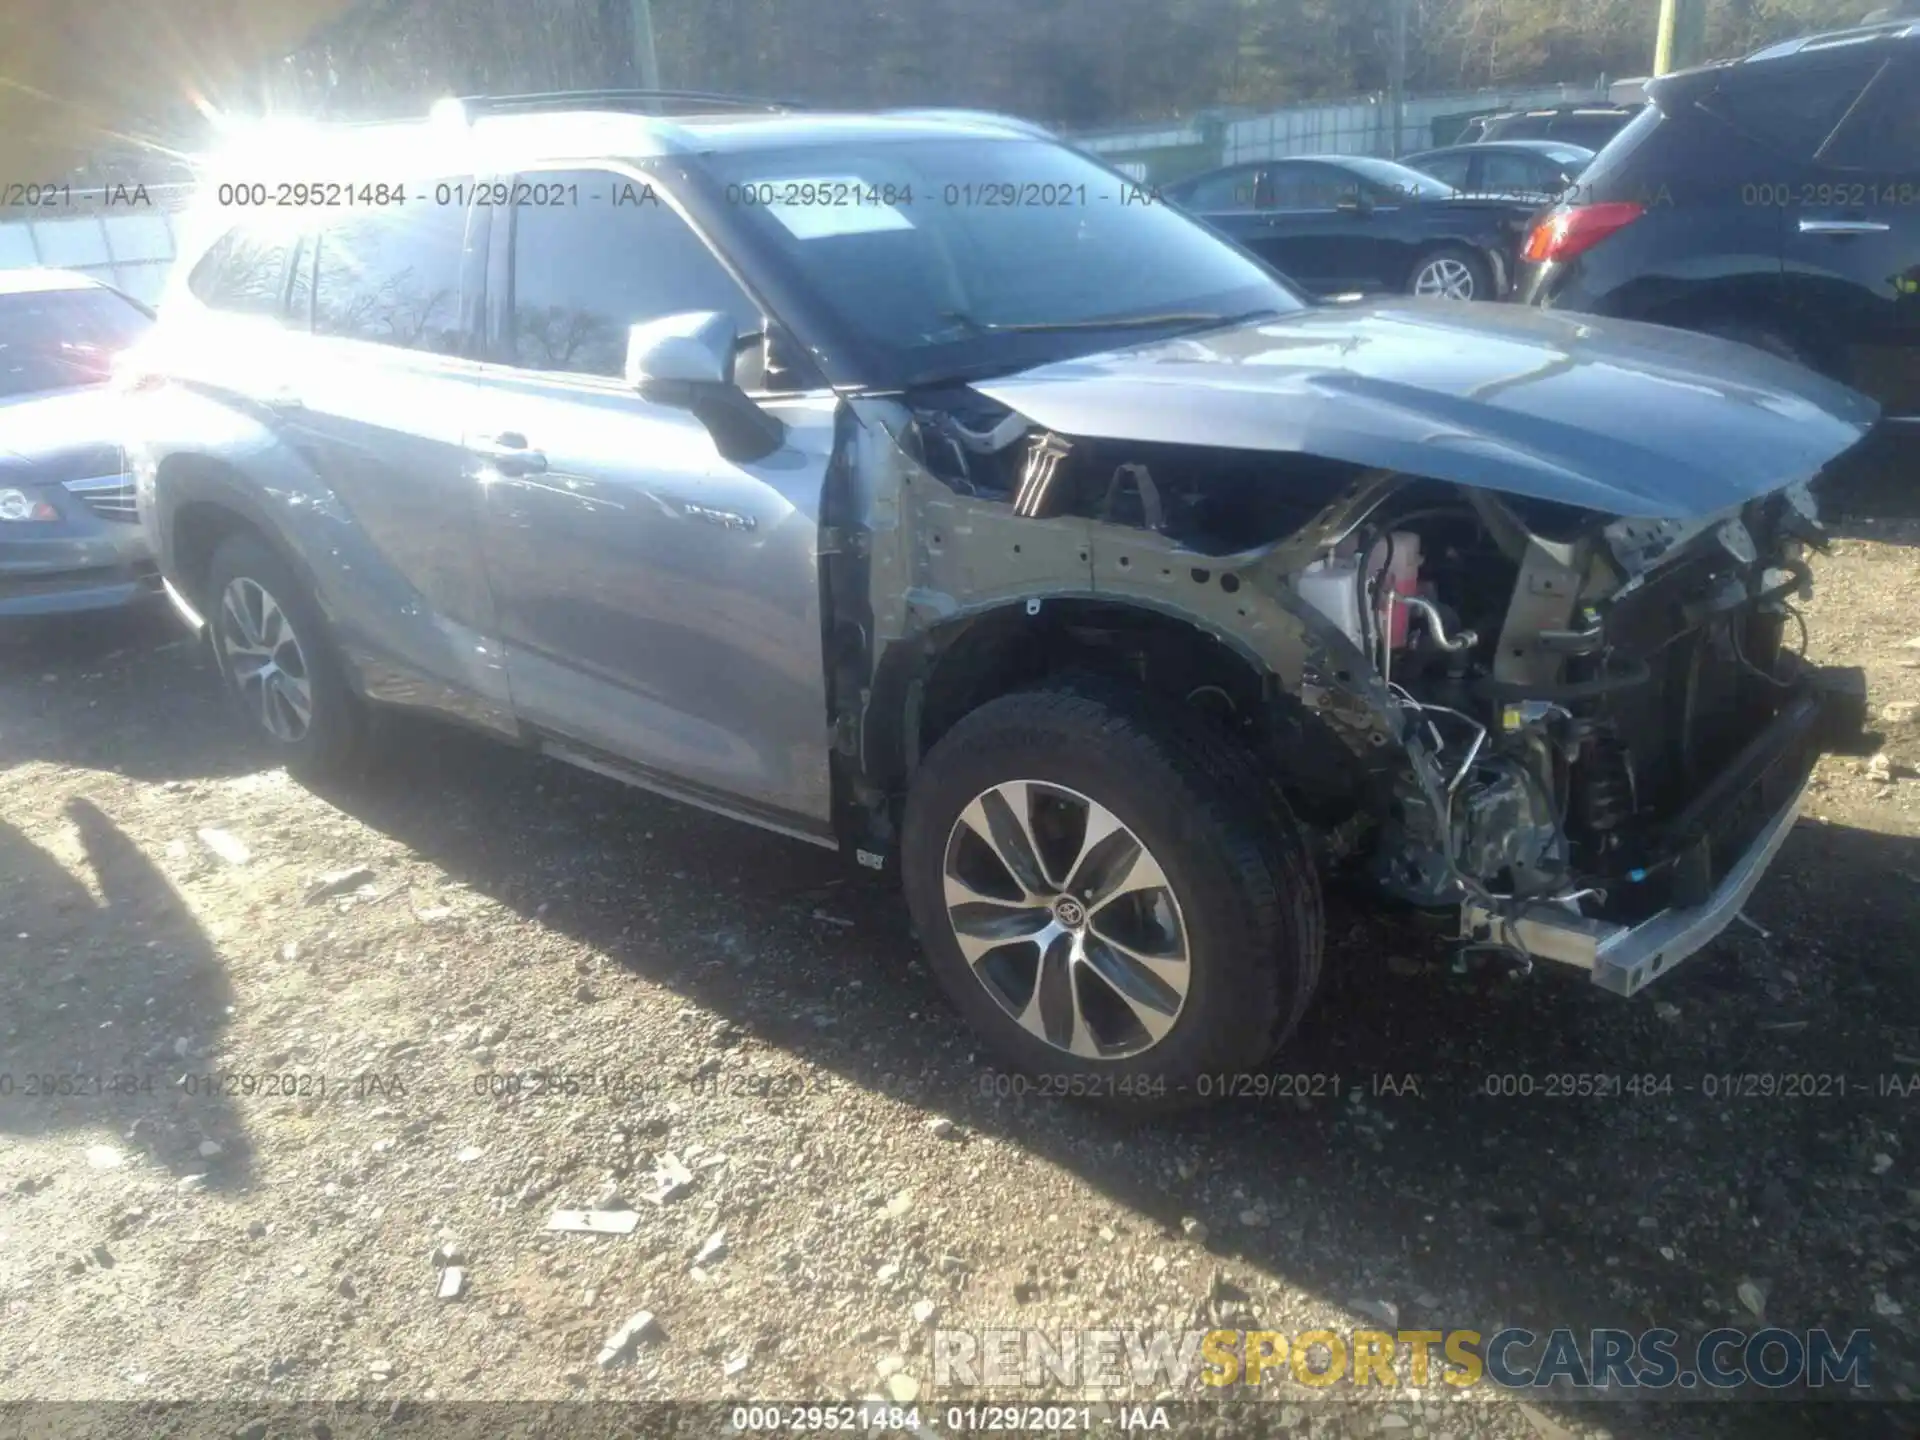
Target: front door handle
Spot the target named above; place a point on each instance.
(509, 454)
(1844, 227)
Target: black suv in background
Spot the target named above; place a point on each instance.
(1590, 125)
(1774, 200)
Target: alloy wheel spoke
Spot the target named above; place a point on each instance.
(1153, 987)
(273, 625)
(1002, 818)
(299, 696)
(1052, 1012)
(960, 891)
(982, 930)
(242, 647)
(234, 605)
(1105, 846)
(270, 706)
(1134, 870)
(264, 657)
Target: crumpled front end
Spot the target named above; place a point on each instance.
(1586, 734)
(1650, 727)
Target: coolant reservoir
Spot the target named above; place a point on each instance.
(1333, 588)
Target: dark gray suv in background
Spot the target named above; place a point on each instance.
(914, 485)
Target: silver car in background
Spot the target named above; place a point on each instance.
(69, 533)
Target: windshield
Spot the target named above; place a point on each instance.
(953, 258)
(1397, 180)
(60, 339)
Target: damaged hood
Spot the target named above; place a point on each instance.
(1610, 415)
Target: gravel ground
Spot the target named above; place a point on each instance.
(849, 1175)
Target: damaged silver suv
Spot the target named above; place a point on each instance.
(914, 485)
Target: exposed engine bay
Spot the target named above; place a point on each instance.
(1541, 705)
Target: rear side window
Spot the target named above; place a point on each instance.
(392, 276)
(584, 274)
(1506, 172)
(1882, 134)
(1609, 167)
(1448, 169)
(1590, 131)
(245, 272)
(1518, 127)
(1792, 109)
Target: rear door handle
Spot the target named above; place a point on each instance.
(1844, 227)
(509, 454)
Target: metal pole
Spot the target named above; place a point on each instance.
(1397, 77)
(1681, 37)
(646, 63)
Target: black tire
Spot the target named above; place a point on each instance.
(1236, 863)
(332, 743)
(1479, 272)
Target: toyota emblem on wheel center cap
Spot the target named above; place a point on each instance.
(1069, 912)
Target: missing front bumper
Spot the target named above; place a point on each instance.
(1625, 958)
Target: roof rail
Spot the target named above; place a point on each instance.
(1902, 28)
(958, 113)
(648, 102)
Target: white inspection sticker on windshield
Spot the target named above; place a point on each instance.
(818, 207)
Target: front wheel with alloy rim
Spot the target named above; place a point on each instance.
(1110, 895)
(277, 660)
(1452, 273)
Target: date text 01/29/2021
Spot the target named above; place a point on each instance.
(202, 1085)
(876, 1417)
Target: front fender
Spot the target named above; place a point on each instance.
(939, 558)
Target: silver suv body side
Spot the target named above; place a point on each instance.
(540, 552)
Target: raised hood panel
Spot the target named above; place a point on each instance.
(1610, 415)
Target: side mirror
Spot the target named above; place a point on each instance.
(687, 361)
(695, 348)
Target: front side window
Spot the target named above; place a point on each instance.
(392, 276)
(1312, 187)
(1229, 190)
(585, 273)
(1387, 182)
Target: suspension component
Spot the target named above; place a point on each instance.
(1608, 796)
